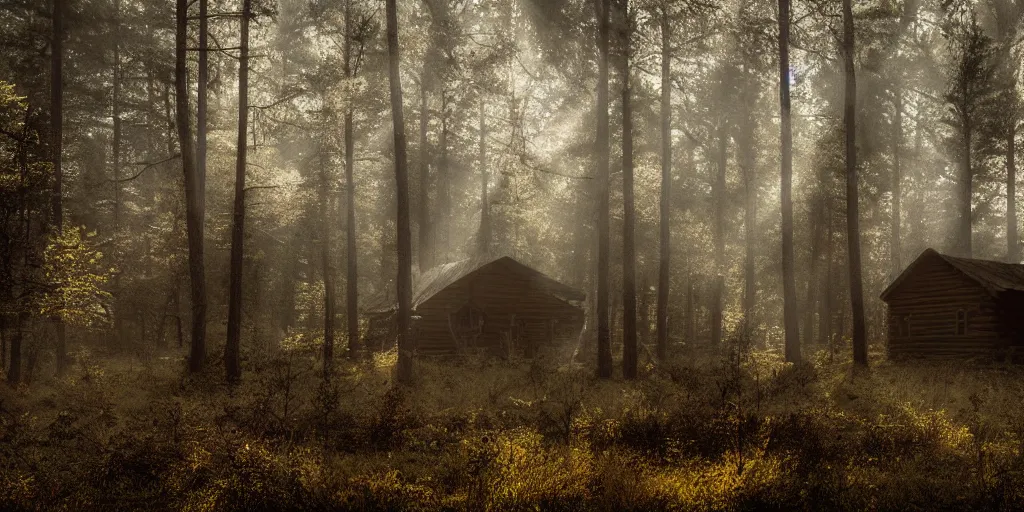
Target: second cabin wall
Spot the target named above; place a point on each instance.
(931, 297)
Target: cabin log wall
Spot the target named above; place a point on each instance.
(931, 298)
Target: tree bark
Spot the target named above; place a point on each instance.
(484, 234)
(426, 249)
(749, 164)
(406, 346)
(202, 97)
(232, 349)
(193, 199)
(629, 329)
(14, 370)
(116, 157)
(897, 179)
(817, 233)
(57, 136)
(1012, 241)
(351, 253)
(826, 300)
(691, 312)
(665, 246)
(860, 342)
(965, 229)
(718, 193)
(790, 314)
(325, 258)
(604, 347)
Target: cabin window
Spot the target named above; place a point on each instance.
(468, 323)
(961, 322)
(903, 328)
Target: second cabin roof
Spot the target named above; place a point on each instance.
(994, 276)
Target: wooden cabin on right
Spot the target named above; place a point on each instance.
(942, 305)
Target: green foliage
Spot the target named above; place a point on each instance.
(75, 279)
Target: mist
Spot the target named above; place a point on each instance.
(509, 254)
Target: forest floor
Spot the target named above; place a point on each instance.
(704, 433)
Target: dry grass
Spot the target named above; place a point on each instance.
(711, 435)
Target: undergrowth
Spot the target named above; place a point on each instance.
(711, 433)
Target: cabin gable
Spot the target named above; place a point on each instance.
(935, 309)
(494, 306)
(516, 313)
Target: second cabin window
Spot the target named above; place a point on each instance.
(904, 326)
(961, 322)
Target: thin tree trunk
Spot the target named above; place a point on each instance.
(860, 342)
(325, 260)
(406, 346)
(665, 248)
(425, 237)
(604, 347)
(193, 200)
(629, 328)
(232, 349)
(812, 278)
(718, 193)
(202, 97)
(827, 301)
(444, 192)
(790, 314)
(351, 254)
(116, 157)
(749, 227)
(3, 342)
(965, 233)
(14, 370)
(57, 135)
(897, 178)
(691, 312)
(1012, 241)
(484, 234)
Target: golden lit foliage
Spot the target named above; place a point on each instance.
(74, 280)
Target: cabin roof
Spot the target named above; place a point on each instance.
(994, 276)
(431, 282)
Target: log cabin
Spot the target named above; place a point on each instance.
(943, 305)
(490, 305)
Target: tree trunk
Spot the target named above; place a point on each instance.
(193, 199)
(691, 312)
(484, 234)
(817, 232)
(405, 343)
(232, 349)
(826, 301)
(56, 141)
(325, 259)
(444, 192)
(14, 370)
(897, 178)
(790, 314)
(860, 342)
(202, 97)
(116, 157)
(1012, 242)
(965, 231)
(718, 193)
(746, 150)
(629, 328)
(604, 346)
(426, 249)
(665, 248)
(351, 253)
(3, 342)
